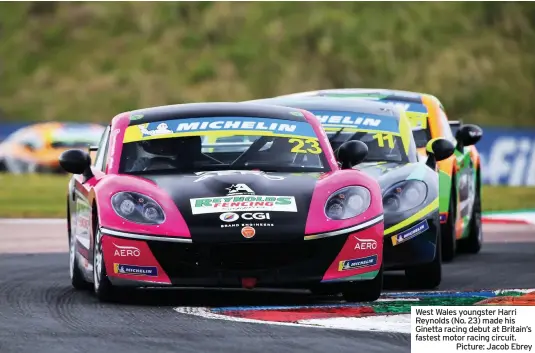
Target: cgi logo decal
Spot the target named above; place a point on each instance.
(410, 233)
(232, 217)
(121, 269)
(123, 251)
(357, 263)
(365, 244)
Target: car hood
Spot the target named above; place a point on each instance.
(388, 173)
(202, 198)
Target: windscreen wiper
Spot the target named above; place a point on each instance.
(336, 134)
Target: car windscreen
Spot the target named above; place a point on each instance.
(380, 133)
(222, 143)
(76, 137)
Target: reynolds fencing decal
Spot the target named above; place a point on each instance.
(356, 121)
(211, 125)
(243, 203)
(410, 233)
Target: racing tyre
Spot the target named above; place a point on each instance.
(77, 278)
(102, 286)
(365, 291)
(448, 236)
(472, 244)
(3, 168)
(426, 276)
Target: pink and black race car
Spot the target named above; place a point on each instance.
(223, 195)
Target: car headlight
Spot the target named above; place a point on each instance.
(348, 202)
(138, 208)
(404, 196)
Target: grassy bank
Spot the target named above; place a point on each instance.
(32, 196)
(88, 61)
(44, 196)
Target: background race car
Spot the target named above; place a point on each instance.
(158, 211)
(460, 174)
(410, 188)
(36, 148)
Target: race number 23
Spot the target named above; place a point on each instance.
(312, 146)
(381, 138)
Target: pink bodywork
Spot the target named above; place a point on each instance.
(105, 185)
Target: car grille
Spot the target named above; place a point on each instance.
(189, 260)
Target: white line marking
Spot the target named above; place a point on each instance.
(388, 323)
(205, 313)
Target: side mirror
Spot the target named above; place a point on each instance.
(351, 153)
(469, 135)
(76, 162)
(438, 149)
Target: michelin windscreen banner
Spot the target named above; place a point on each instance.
(507, 155)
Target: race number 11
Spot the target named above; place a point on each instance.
(381, 138)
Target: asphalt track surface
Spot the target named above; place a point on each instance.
(39, 312)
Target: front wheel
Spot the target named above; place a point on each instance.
(364, 291)
(448, 234)
(473, 243)
(77, 278)
(102, 286)
(427, 276)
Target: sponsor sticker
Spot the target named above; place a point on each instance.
(410, 233)
(151, 271)
(232, 217)
(243, 203)
(239, 189)
(124, 251)
(248, 232)
(357, 263)
(211, 125)
(365, 244)
(443, 217)
(229, 217)
(136, 117)
(357, 121)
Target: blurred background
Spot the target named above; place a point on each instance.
(85, 62)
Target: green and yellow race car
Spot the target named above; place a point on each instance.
(459, 175)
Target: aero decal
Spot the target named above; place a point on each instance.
(205, 126)
(410, 233)
(390, 313)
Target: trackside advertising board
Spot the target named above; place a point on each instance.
(508, 156)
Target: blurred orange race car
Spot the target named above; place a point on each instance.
(36, 148)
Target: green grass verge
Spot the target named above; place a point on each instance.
(92, 60)
(44, 196)
(503, 198)
(32, 196)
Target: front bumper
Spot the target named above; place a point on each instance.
(412, 245)
(151, 261)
